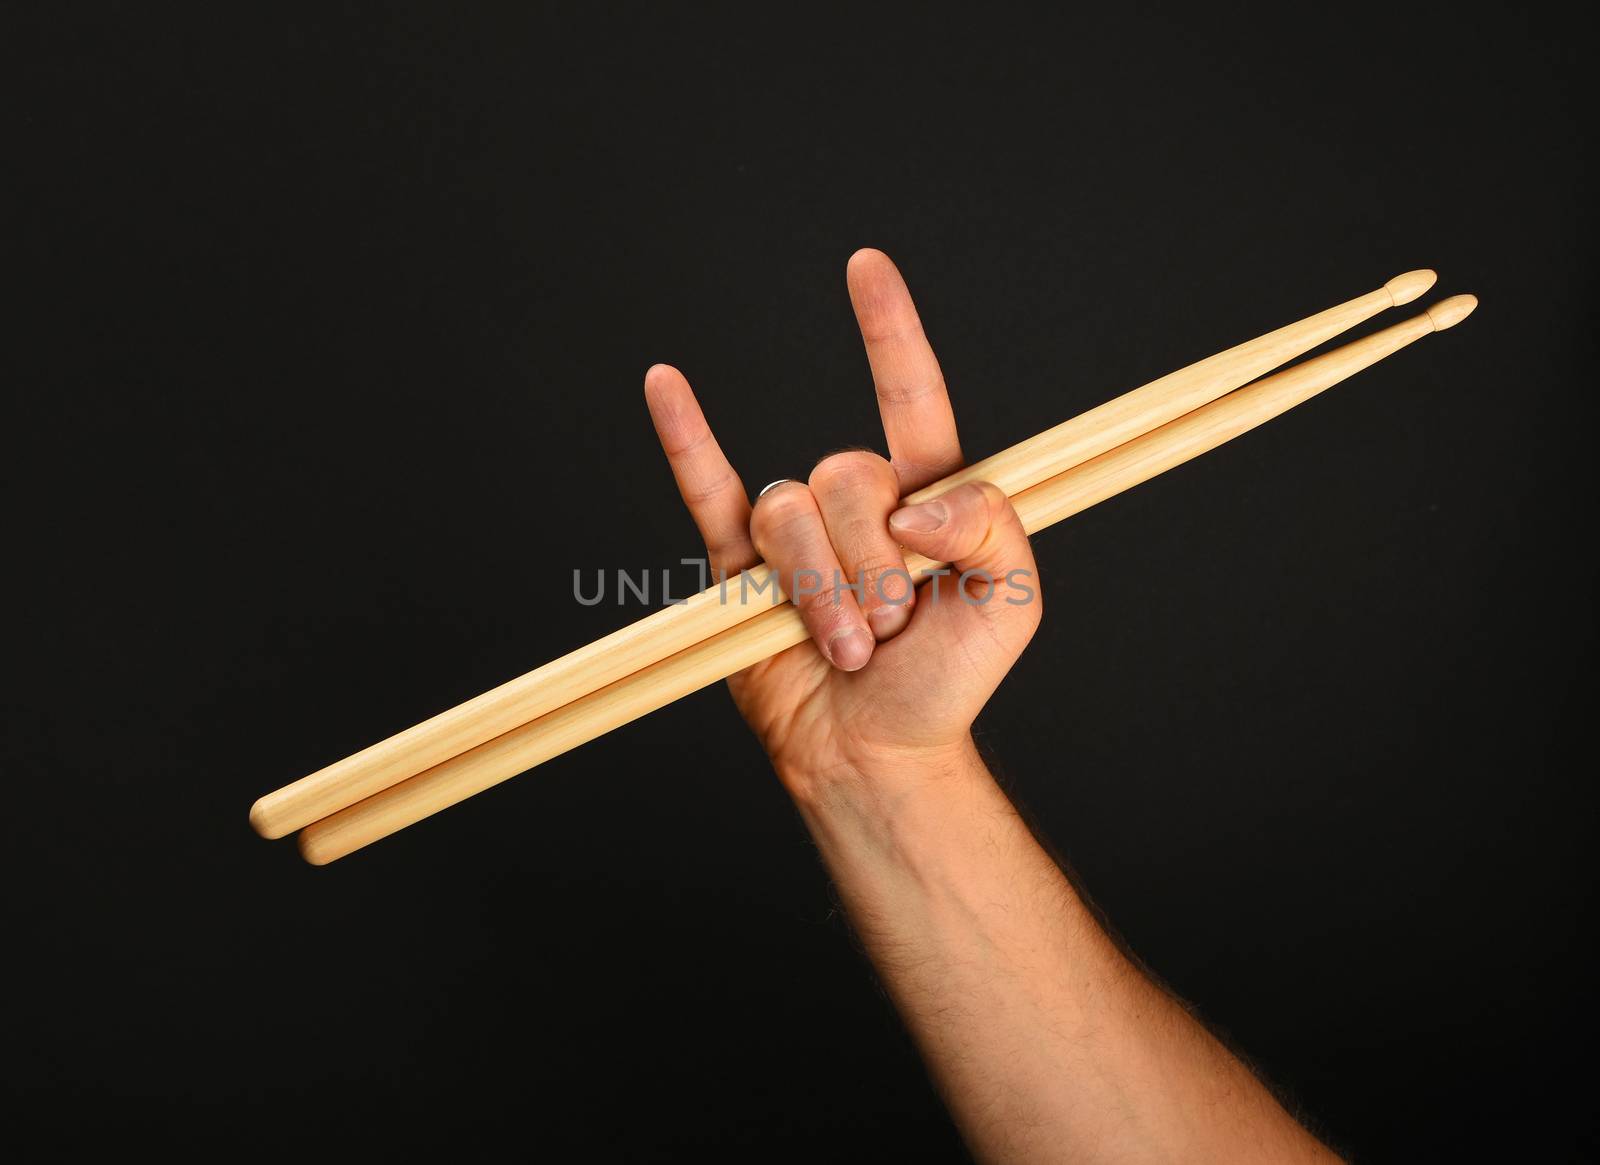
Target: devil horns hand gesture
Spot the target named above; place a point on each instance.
(892, 674)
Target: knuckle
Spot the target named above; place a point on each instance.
(866, 536)
(980, 494)
(818, 601)
(875, 568)
(906, 392)
(683, 440)
(729, 545)
(709, 487)
(990, 492)
(850, 469)
(996, 501)
(885, 580)
(792, 526)
(814, 602)
(978, 505)
(780, 507)
(922, 470)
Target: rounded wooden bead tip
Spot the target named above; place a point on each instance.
(313, 852)
(263, 820)
(1447, 313)
(1405, 288)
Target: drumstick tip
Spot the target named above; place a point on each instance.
(313, 853)
(1447, 313)
(263, 820)
(1411, 285)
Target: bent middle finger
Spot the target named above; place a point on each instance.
(856, 492)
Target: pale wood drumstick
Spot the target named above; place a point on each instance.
(780, 627)
(674, 628)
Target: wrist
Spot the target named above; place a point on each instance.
(878, 781)
(907, 830)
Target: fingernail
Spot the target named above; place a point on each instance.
(888, 621)
(922, 518)
(850, 650)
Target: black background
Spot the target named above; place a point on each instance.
(326, 366)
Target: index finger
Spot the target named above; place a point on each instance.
(917, 420)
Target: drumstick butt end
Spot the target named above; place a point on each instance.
(1411, 285)
(1447, 313)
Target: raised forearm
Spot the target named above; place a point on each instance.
(1047, 1043)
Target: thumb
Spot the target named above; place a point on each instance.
(974, 528)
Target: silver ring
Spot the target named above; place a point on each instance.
(772, 485)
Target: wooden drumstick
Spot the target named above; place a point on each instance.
(665, 632)
(777, 628)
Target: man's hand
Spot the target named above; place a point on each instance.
(937, 652)
(1047, 1043)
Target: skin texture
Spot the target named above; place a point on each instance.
(1046, 1043)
